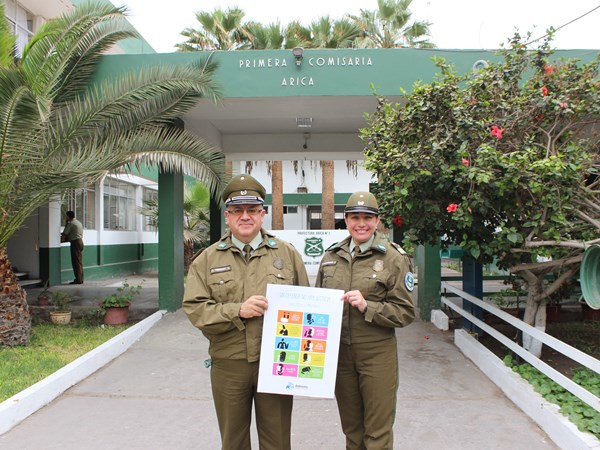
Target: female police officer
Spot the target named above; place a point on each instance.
(225, 298)
(376, 277)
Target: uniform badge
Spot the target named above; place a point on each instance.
(378, 265)
(244, 192)
(272, 243)
(409, 281)
(278, 263)
(222, 245)
(381, 247)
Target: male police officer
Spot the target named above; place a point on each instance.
(225, 298)
(377, 279)
(73, 233)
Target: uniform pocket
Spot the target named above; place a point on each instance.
(280, 276)
(222, 286)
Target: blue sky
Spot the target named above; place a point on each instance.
(456, 23)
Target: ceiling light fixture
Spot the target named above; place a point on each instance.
(304, 122)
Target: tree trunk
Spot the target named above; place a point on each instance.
(535, 315)
(327, 202)
(15, 319)
(277, 196)
(188, 255)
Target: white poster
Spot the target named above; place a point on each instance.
(300, 341)
(311, 244)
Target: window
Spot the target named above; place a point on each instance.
(290, 210)
(119, 205)
(150, 195)
(21, 22)
(82, 202)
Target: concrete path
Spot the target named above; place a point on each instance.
(156, 396)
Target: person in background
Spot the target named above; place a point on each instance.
(225, 298)
(73, 233)
(376, 276)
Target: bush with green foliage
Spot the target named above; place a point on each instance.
(581, 414)
(503, 162)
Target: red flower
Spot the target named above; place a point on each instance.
(548, 70)
(398, 221)
(544, 91)
(452, 207)
(497, 132)
(465, 162)
(563, 105)
(472, 102)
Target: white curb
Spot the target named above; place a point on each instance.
(21, 405)
(560, 429)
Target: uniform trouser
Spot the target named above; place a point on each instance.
(77, 259)
(365, 390)
(234, 389)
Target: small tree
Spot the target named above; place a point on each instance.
(503, 162)
(196, 219)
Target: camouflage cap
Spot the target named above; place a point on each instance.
(362, 202)
(244, 190)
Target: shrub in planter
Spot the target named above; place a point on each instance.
(62, 314)
(115, 307)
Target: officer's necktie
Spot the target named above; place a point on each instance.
(356, 251)
(247, 250)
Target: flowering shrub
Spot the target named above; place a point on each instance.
(486, 162)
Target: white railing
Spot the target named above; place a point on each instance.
(571, 352)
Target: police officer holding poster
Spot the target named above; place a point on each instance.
(225, 298)
(377, 279)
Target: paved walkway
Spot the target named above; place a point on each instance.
(156, 396)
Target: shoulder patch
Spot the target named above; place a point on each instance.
(381, 248)
(409, 281)
(272, 243)
(397, 247)
(222, 245)
(332, 246)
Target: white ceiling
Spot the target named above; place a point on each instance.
(258, 127)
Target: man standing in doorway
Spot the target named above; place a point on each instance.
(73, 233)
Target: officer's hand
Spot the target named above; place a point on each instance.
(255, 306)
(356, 299)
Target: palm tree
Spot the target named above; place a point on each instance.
(328, 196)
(196, 202)
(389, 27)
(219, 30)
(329, 34)
(59, 130)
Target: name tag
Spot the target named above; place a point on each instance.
(329, 263)
(220, 269)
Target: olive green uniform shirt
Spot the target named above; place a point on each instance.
(380, 274)
(220, 280)
(73, 230)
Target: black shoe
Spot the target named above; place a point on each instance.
(76, 282)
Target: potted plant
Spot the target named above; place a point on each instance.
(44, 296)
(115, 307)
(62, 314)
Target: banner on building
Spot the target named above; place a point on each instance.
(300, 341)
(311, 244)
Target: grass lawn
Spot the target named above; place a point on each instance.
(51, 347)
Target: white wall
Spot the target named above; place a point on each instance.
(309, 175)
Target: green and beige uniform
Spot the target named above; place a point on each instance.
(73, 232)
(367, 377)
(218, 282)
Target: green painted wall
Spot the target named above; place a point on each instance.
(107, 261)
(323, 72)
(308, 199)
